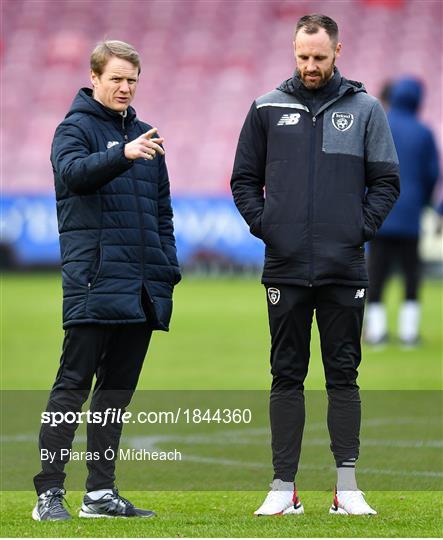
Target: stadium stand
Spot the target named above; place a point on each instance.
(203, 62)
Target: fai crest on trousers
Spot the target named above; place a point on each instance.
(342, 121)
(273, 295)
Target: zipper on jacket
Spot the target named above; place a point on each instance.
(311, 185)
(311, 200)
(140, 218)
(124, 115)
(142, 235)
(311, 177)
(137, 202)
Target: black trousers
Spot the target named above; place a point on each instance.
(385, 254)
(339, 313)
(115, 355)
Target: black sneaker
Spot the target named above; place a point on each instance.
(50, 507)
(111, 505)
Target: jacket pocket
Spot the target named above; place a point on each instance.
(173, 273)
(74, 277)
(362, 225)
(355, 224)
(268, 225)
(368, 231)
(96, 267)
(256, 226)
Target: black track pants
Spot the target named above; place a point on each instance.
(115, 354)
(339, 313)
(388, 252)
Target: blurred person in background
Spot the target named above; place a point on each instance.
(385, 94)
(119, 267)
(397, 241)
(315, 175)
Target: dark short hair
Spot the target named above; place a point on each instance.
(312, 23)
(109, 48)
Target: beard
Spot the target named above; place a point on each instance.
(322, 77)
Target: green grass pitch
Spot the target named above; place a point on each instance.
(219, 340)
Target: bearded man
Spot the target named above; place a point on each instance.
(315, 175)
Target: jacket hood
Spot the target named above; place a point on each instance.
(406, 94)
(290, 86)
(85, 103)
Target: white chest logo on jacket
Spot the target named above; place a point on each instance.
(342, 121)
(110, 144)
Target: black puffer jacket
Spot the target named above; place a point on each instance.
(314, 188)
(114, 219)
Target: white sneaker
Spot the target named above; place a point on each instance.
(375, 324)
(279, 503)
(351, 503)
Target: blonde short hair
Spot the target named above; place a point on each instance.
(109, 48)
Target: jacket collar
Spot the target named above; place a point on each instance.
(339, 84)
(85, 103)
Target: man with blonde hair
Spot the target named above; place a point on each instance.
(119, 267)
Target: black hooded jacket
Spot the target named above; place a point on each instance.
(114, 220)
(315, 187)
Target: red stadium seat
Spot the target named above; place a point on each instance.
(203, 62)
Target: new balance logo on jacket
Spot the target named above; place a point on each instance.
(289, 119)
